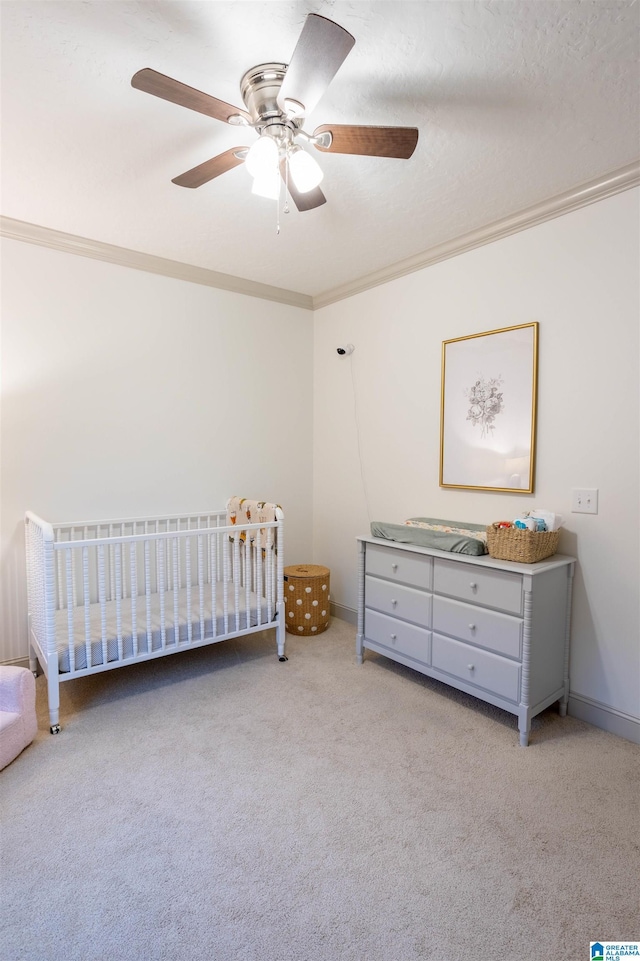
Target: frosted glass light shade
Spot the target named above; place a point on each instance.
(262, 157)
(306, 173)
(267, 185)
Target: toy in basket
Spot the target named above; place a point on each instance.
(523, 545)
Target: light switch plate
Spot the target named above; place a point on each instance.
(584, 500)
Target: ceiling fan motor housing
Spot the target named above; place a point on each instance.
(260, 88)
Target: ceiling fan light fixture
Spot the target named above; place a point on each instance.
(306, 172)
(262, 158)
(267, 185)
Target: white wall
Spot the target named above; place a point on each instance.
(579, 277)
(125, 393)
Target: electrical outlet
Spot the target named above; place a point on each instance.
(584, 500)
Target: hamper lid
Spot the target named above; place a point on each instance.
(306, 570)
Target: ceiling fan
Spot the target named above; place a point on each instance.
(277, 98)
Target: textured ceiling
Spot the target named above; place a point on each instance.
(516, 102)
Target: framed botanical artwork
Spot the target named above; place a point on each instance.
(488, 410)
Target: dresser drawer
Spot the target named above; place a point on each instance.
(493, 588)
(481, 668)
(491, 629)
(398, 636)
(398, 600)
(401, 566)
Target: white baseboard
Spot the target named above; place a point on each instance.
(604, 717)
(16, 662)
(344, 613)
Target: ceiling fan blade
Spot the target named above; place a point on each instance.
(205, 172)
(303, 201)
(397, 142)
(160, 86)
(319, 53)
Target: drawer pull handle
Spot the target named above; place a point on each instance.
(473, 586)
(393, 637)
(472, 627)
(393, 602)
(471, 667)
(394, 567)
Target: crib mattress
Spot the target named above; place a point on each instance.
(148, 626)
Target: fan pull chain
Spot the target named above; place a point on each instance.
(285, 208)
(278, 205)
(286, 191)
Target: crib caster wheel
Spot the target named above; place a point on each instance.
(283, 658)
(55, 728)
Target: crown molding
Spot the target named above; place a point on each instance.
(606, 186)
(96, 250)
(613, 183)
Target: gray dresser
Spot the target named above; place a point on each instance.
(495, 629)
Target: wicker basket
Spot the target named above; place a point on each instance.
(527, 547)
(306, 597)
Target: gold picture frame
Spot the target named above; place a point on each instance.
(488, 410)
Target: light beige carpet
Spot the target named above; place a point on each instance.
(219, 805)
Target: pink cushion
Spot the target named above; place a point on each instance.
(18, 724)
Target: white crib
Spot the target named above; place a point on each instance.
(104, 594)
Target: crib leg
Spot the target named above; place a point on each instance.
(53, 695)
(33, 661)
(280, 633)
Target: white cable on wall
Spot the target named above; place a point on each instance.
(349, 350)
